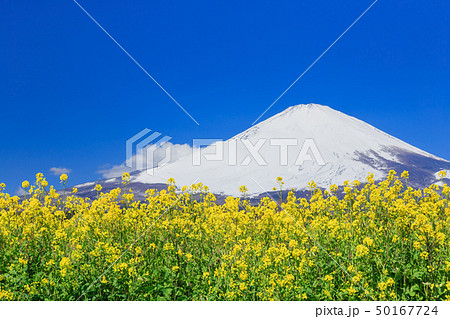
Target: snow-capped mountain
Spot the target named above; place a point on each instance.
(336, 147)
(301, 144)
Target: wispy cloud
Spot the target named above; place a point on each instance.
(177, 151)
(19, 191)
(60, 170)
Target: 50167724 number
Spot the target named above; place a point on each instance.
(406, 310)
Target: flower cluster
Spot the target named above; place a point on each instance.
(378, 241)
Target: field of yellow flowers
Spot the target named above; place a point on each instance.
(380, 241)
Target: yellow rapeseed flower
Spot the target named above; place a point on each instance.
(382, 286)
(39, 177)
(23, 261)
(243, 189)
(405, 175)
(361, 250)
(368, 241)
(243, 251)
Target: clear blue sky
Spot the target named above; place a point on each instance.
(70, 97)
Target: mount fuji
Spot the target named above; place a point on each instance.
(308, 142)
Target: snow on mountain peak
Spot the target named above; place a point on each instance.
(302, 143)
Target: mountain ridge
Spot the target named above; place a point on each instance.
(350, 149)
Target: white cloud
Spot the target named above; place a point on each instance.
(164, 154)
(60, 170)
(19, 191)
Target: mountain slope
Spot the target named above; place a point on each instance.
(349, 148)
